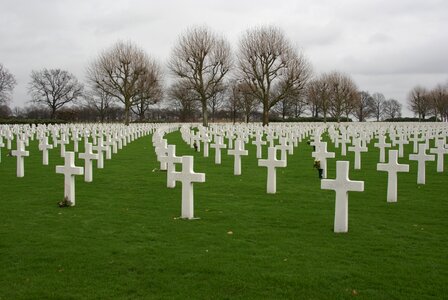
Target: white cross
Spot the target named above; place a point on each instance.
(69, 170)
(76, 139)
(100, 148)
(401, 141)
(284, 146)
(237, 153)
(205, 140)
(54, 136)
(230, 139)
(271, 163)
(440, 151)
(358, 149)
(115, 140)
(161, 148)
(415, 139)
(44, 146)
(20, 153)
(9, 137)
(392, 168)
(270, 138)
(171, 159)
(344, 141)
(108, 143)
(382, 145)
(188, 177)
(1, 146)
(88, 156)
(218, 145)
(421, 157)
(258, 143)
(342, 185)
(64, 141)
(321, 154)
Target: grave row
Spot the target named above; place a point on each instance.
(100, 141)
(286, 137)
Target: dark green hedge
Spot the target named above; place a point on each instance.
(31, 121)
(310, 119)
(407, 119)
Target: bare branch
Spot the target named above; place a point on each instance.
(54, 88)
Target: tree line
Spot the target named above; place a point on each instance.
(265, 77)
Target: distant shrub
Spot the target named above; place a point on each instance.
(408, 119)
(310, 119)
(32, 121)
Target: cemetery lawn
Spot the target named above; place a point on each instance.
(124, 240)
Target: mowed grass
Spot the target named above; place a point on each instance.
(124, 240)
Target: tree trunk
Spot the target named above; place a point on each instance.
(53, 113)
(126, 115)
(265, 115)
(204, 114)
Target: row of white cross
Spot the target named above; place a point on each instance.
(124, 135)
(341, 185)
(287, 136)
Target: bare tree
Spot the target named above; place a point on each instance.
(54, 88)
(342, 94)
(318, 95)
(216, 102)
(376, 105)
(439, 101)
(201, 59)
(234, 100)
(270, 66)
(151, 91)
(184, 99)
(100, 101)
(298, 106)
(391, 109)
(419, 102)
(7, 84)
(126, 73)
(362, 109)
(313, 98)
(283, 108)
(246, 101)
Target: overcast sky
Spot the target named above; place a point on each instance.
(387, 46)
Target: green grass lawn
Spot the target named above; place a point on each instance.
(123, 240)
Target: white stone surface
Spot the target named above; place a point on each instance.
(271, 163)
(342, 185)
(88, 156)
(20, 153)
(100, 148)
(382, 145)
(439, 151)
(321, 154)
(258, 142)
(171, 160)
(237, 153)
(421, 158)
(69, 170)
(358, 148)
(392, 168)
(187, 177)
(44, 146)
(218, 145)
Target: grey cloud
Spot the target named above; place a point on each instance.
(387, 46)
